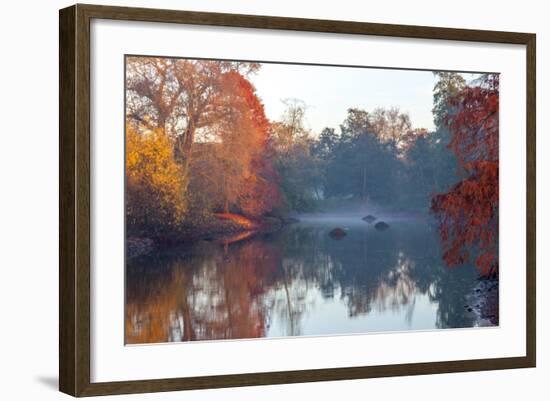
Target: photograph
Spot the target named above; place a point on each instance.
(267, 199)
(274, 200)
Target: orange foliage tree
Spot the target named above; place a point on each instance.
(240, 164)
(259, 193)
(468, 213)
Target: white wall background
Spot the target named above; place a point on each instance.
(29, 184)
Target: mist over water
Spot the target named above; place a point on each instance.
(300, 281)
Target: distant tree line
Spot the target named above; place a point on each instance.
(376, 156)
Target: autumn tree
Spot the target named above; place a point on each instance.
(290, 131)
(180, 96)
(154, 181)
(247, 181)
(210, 115)
(231, 162)
(468, 213)
(391, 125)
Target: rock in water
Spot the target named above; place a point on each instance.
(381, 226)
(337, 233)
(369, 218)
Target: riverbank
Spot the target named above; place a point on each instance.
(483, 302)
(217, 226)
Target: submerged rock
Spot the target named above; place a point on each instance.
(381, 226)
(369, 218)
(337, 233)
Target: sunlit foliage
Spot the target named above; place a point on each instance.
(154, 181)
(208, 120)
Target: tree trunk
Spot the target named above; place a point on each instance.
(184, 147)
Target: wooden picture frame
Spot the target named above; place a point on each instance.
(74, 199)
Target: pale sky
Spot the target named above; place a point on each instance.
(329, 91)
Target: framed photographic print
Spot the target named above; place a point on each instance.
(250, 200)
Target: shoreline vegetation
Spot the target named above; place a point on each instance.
(203, 161)
(226, 228)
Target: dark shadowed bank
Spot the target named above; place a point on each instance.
(226, 227)
(483, 301)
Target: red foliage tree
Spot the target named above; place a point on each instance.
(259, 193)
(468, 213)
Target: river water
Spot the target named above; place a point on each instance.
(300, 281)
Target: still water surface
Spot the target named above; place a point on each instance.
(299, 281)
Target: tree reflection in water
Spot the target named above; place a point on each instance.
(297, 282)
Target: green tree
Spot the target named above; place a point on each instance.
(295, 161)
(449, 85)
(360, 164)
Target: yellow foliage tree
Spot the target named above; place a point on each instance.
(154, 180)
